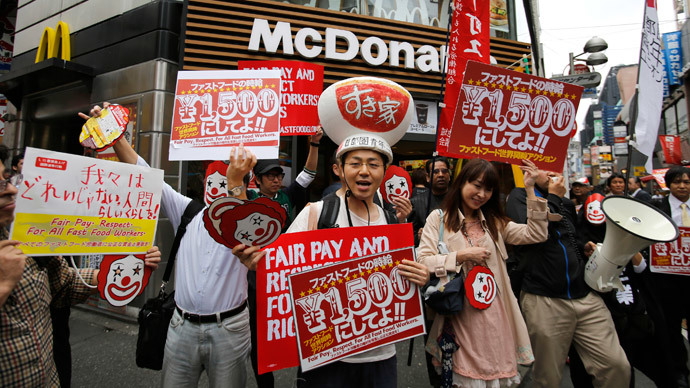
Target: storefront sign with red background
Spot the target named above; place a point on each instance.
(218, 109)
(469, 40)
(507, 116)
(672, 257)
(301, 85)
(295, 252)
(354, 306)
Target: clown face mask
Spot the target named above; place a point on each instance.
(593, 212)
(396, 183)
(122, 278)
(216, 182)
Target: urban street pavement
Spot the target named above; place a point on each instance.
(103, 352)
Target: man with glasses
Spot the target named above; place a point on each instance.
(676, 288)
(269, 178)
(424, 202)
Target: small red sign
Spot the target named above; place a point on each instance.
(672, 257)
(50, 163)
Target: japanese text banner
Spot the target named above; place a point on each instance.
(295, 252)
(508, 116)
(350, 307)
(218, 109)
(301, 84)
(672, 257)
(74, 205)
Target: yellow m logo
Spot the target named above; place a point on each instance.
(54, 42)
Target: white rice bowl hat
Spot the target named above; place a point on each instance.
(366, 113)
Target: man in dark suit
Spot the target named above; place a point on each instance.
(635, 190)
(676, 288)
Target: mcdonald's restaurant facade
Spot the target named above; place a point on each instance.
(73, 54)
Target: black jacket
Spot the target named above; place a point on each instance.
(554, 268)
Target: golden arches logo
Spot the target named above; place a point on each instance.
(53, 42)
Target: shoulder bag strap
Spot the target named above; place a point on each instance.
(190, 211)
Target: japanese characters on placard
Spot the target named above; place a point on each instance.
(217, 109)
(508, 116)
(672, 257)
(301, 84)
(296, 252)
(354, 306)
(469, 40)
(69, 204)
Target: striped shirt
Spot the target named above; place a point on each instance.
(26, 334)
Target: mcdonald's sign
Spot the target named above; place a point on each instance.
(53, 42)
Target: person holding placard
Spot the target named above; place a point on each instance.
(491, 336)
(28, 287)
(209, 330)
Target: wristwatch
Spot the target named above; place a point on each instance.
(236, 191)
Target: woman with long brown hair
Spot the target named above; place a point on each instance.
(493, 340)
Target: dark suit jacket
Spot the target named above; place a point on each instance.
(643, 196)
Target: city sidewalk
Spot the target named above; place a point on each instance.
(103, 351)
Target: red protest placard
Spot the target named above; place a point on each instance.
(672, 257)
(301, 85)
(295, 252)
(507, 116)
(469, 41)
(350, 307)
(218, 109)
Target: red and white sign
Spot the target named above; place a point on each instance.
(121, 278)
(469, 40)
(671, 146)
(295, 252)
(672, 257)
(366, 105)
(232, 221)
(350, 307)
(480, 287)
(301, 84)
(507, 116)
(217, 109)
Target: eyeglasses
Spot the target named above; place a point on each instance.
(441, 170)
(358, 165)
(272, 176)
(15, 181)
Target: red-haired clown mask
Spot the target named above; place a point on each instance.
(593, 212)
(122, 277)
(396, 183)
(216, 182)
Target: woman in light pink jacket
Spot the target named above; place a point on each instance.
(491, 341)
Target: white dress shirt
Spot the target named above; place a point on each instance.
(676, 214)
(209, 279)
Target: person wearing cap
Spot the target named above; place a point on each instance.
(269, 178)
(580, 190)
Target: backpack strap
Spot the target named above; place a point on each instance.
(329, 212)
(391, 218)
(192, 209)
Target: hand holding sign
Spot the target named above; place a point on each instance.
(105, 127)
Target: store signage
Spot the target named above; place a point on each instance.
(673, 57)
(54, 43)
(309, 43)
(507, 116)
(587, 80)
